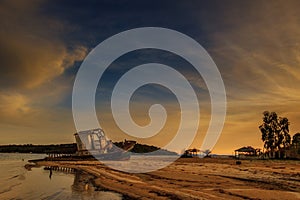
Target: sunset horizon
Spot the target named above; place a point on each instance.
(151, 99)
(254, 45)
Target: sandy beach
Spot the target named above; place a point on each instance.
(194, 178)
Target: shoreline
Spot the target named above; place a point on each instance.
(195, 178)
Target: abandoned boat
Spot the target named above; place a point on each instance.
(93, 145)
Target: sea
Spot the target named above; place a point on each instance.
(17, 182)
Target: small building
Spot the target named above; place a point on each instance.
(189, 153)
(246, 151)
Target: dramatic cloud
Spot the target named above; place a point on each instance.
(255, 45)
(32, 51)
(34, 58)
(13, 105)
(258, 55)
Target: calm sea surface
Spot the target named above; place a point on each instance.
(16, 182)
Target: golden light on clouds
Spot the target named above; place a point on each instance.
(256, 47)
(33, 59)
(13, 105)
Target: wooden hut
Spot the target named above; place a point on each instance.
(189, 153)
(245, 151)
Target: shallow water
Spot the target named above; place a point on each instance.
(18, 183)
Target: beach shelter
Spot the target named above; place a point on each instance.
(245, 151)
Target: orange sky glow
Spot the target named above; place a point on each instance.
(256, 47)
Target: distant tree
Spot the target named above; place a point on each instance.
(296, 140)
(275, 133)
(284, 138)
(268, 129)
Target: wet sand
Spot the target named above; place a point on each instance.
(194, 178)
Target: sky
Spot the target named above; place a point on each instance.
(255, 45)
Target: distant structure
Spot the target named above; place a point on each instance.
(246, 151)
(94, 142)
(189, 153)
(90, 141)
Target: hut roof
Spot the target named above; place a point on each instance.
(193, 150)
(246, 149)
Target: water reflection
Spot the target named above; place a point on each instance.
(83, 186)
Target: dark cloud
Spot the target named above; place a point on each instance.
(255, 44)
(32, 50)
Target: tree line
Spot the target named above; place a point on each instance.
(44, 149)
(276, 137)
(72, 148)
(149, 149)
